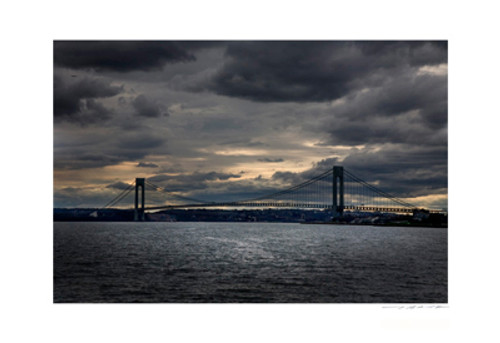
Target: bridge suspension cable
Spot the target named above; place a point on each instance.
(291, 189)
(378, 191)
(315, 192)
(176, 196)
(337, 189)
(120, 196)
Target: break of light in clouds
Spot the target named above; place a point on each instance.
(232, 119)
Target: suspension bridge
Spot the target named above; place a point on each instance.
(336, 189)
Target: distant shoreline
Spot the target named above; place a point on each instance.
(263, 222)
(312, 216)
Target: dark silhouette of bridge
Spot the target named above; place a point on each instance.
(337, 190)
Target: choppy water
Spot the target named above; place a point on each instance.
(248, 262)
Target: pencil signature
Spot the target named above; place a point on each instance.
(415, 307)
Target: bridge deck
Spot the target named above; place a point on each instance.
(291, 206)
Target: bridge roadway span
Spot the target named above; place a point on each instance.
(288, 205)
(336, 190)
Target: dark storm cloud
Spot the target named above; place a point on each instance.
(306, 99)
(197, 186)
(141, 141)
(315, 71)
(231, 190)
(403, 129)
(81, 159)
(146, 165)
(234, 191)
(120, 56)
(402, 170)
(76, 100)
(146, 107)
(191, 182)
(400, 93)
(108, 149)
(289, 178)
(401, 161)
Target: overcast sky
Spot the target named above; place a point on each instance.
(232, 120)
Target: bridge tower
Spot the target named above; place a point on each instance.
(338, 191)
(139, 211)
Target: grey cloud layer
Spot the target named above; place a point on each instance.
(146, 107)
(192, 182)
(205, 106)
(404, 170)
(76, 100)
(121, 56)
(105, 147)
(316, 71)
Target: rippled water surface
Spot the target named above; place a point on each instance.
(248, 262)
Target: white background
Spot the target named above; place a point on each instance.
(28, 29)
